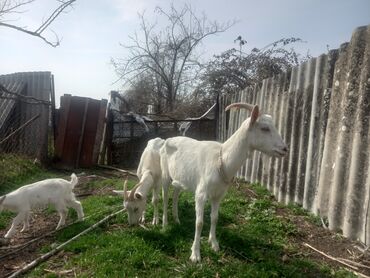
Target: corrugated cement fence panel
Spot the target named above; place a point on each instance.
(322, 109)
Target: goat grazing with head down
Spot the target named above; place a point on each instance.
(149, 173)
(57, 192)
(207, 167)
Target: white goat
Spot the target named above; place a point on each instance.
(207, 167)
(57, 192)
(150, 174)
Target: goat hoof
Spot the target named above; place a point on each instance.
(195, 258)
(215, 247)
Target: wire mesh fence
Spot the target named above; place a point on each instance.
(129, 137)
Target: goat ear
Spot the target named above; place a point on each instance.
(2, 199)
(138, 195)
(118, 192)
(255, 114)
(126, 195)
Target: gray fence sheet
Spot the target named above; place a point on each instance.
(39, 86)
(322, 110)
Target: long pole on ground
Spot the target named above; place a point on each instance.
(47, 255)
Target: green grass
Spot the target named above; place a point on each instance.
(17, 171)
(254, 242)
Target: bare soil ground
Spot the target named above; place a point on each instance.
(328, 242)
(318, 237)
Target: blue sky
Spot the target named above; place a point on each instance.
(92, 31)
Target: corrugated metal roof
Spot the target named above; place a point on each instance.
(39, 86)
(8, 101)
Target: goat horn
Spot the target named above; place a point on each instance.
(240, 105)
(133, 190)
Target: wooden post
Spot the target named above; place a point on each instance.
(106, 150)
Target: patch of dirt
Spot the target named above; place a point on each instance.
(21, 251)
(11, 257)
(322, 239)
(330, 243)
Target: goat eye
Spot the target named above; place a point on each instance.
(265, 129)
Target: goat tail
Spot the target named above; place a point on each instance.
(74, 180)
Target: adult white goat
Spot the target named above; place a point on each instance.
(57, 192)
(149, 173)
(207, 167)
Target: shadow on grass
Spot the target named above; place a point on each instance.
(254, 248)
(179, 237)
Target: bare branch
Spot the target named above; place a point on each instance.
(9, 6)
(54, 15)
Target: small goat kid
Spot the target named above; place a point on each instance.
(57, 192)
(149, 173)
(207, 167)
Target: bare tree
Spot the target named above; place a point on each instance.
(168, 55)
(11, 7)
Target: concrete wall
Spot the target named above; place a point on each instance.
(322, 110)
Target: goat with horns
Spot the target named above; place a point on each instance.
(207, 167)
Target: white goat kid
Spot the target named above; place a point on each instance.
(57, 192)
(150, 174)
(207, 167)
